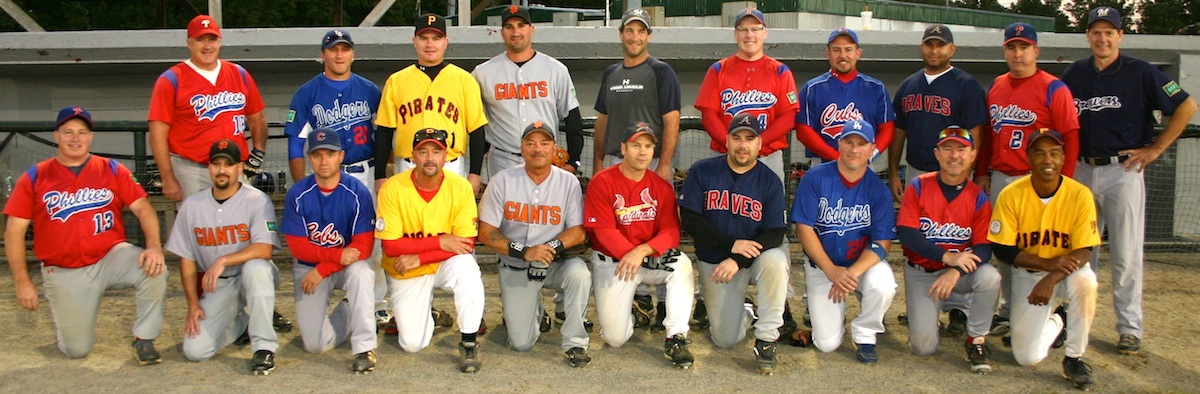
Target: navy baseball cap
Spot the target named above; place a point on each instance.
(1105, 13)
(1054, 135)
(516, 11)
(745, 122)
(938, 32)
(858, 127)
(227, 149)
(1020, 31)
(324, 138)
(637, 15)
(69, 113)
(955, 133)
(638, 129)
(434, 22)
(333, 37)
(538, 126)
(843, 32)
(754, 12)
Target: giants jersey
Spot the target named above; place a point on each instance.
(530, 213)
(953, 225)
(639, 212)
(832, 99)
(450, 102)
(403, 213)
(846, 217)
(328, 220)
(515, 96)
(1018, 107)
(1045, 229)
(206, 229)
(346, 106)
(76, 219)
(201, 113)
(764, 88)
(924, 109)
(743, 206)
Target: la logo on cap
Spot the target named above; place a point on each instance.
(857, 125)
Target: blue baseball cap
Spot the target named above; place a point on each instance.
(1020, 31)
(324, 138)
(745, 122)
(69, 113)
(754, 12)
(843, 32)
(1105, 13)
(858, 127)
(333, 37)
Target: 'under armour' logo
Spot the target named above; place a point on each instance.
(624, 81)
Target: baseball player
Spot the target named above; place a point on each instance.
(1116, 96)
(633, 224)
(943, 226)
(733, 206)
(75, 201)
(427, 220)
(1045, 225)
(522, 86)
(535, 213)
(844, 219)
(327, 219)
(224, 237)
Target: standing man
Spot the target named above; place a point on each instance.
(844, 219)
(1116, 96)
(75, 201)
(522, 86)
(427, 220)
(224, 237)
(1045, 225)
(733, 206)
(327, 218)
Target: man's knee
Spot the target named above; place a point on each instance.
(198, 350)
(78, 348)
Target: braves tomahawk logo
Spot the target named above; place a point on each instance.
(327, 236)
(1010, 116)
(647, 211)
(833, 117)
(61, 206)
(839, 219)
(734, 102)
(342, 116)
(210, 106)
(944, 233)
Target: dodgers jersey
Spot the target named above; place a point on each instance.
(924, 109)
(200, 112)
(846, 217)
(411, 102)
(642, 93)
(206, 229)
(1045, 229)
(743, 206)
(952, 225)
(530, 213)
(621, 213)
(328, 219)
(733, 86)
(516, 96)
(1018, 107)
(346, 106)
(829, 100)
(403, 213)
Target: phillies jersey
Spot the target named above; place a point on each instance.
(328, 220)
(924, 109)
(741, 205)
(1018, 107)
(830, 99)
(76, 218)
(620, 214)
(764, 88)
(411, 102)
(847, 217)
(953, 225)
(201, 113)
(515, 96)
(1045, 229)
(346, 106)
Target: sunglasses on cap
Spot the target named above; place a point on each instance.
(956, 132)
(430, 134)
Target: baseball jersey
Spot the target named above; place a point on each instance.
(952, 225)
(530, 213)
(733, 86)
(76, 218)
(516, 96)
(1116, 105)
(328, 219)
(832, 99)
(411, 102)
(620, 214)
(924, 109)
(642, 93)
(346, 106)
(1018, 107)
(403, 213)
(200, 112)
(206, 229)
(741, 205)
(1045, 229)
(846, 217)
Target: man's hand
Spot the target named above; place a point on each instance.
(456, 244)
(746, 247)
(570, 168)
(944, 284)
(254, 163)
(27, 295)
(1067, 264)
(540, 253)
(966, 260)
(213, 274)
(191, 326)
(725, 271)
(171, 189)
(310, 282)
(1043, 290)
(844, 282)
(476, 182)
(666, 172)
(628, 268)
(1140, 158)
(349, 256)
(406, 262)
(151, 262)
(896, 186)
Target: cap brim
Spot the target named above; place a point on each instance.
(955, 138)
(1030, 42)
(744, 128)
(847, 134)
(332, 147)
(939, 38)
(548, 133)
(653, 137)
(636, 19)
(85, 120)
(436, 142)
(202, 32)
(225, 156)
(434, 29)
(338, 41)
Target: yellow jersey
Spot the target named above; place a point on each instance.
(403, 213)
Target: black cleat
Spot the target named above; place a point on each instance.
(958, 323)
(281, 324)
(789, 323)
(676, 350)
(700, 315)
(1061, 311)
(468, 357)
(561, 317)
(643, 306)
(979, 355)
(764, 355)
(659, 316)
(263, 362)
(364, 362)
(1078, 372)
(545, 324)
(578, 357)
(1129, 344)
(244, 339)
(144, 350)
(441, 318)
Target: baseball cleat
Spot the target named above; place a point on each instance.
(867, 354)
(764, 355)
(978, 354)
(560, 317)
(1000, 325)
(468, 357)
(545, 324)
(364, 362)
(1129, 344)
(659, 316)
(958, 323)
(382, 317)
(244, 339)
(676, 350)
(281, 324)
(901, 318)
(263, 362)
(390, 328)
(789, 322)
(1078, 372)
(578, 357)
(143, 349)
(482, 327)
(700, 315)
(643, 306)
(1061, 311)
(441, 318)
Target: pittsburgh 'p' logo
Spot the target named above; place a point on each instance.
(431, 19)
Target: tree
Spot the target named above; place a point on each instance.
(1078, 11)
(1050, 8)
(986, 5)
(1166, 16)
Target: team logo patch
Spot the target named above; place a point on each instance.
(341, 116)
(1171, 89)
(735, 102)
(272, 226)
(210, 106)
(291, 116)
(1010, 115)
(994, 227)
(792, 98)
(379, 226)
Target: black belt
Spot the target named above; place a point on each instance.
(358, 166)
(510, 266)
(448, 161)
(1103, 161)
(921, 268)
(502, 150)
(604, 257)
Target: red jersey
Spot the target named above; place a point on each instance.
(1018, 107)
(764, 88)
(620, 214)
(76, 219)
(201, 113)
(953, 225)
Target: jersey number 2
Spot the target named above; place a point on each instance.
(1018, 138)
(361, 135)
(104, 222)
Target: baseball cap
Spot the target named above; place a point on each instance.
(227, 149)
(754, 12)
(843, 32)
(69, 113)
(636, 15)
(433, 22)
(858, 127)
(955, 133)
(1105, 13)
(745, 122)
(201, 25)
(638, 129)
(1020, 31)
(938, 32)
(1044, 132)
(333, 37)
(517, 11)
(324, 138)
(430, 134)
(538, 126)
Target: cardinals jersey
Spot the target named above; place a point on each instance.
(200, 112)
(620, 214)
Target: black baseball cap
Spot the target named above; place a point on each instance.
(1105, 13)
(69, 113)
(638, 129)
(226, 149)
(430, 134)
(938, 32)
(433, 22)
(538, 126)
(745, 122)
(636, 15)
(1044, 133)
(324, 138)
(333, 37)
(515, 11)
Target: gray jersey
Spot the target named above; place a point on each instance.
(642, 93)
(515, 96)
(205, 230)
(528, 213)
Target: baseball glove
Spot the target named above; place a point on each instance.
(560, 158)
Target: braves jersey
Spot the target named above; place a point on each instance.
(206, 229)
(953, 225)
(403, 213)
(200, 112)
(76, 218)
(832, 99)
(846, 216)
(741, 205)
(1116, 105)
(346, 106)
(620, 213)
(642, 93)
(924, 109)
(516, 96)
(1018, 107)
(530, 213)
(1045, 229)
(328, 219)
(411, 102)
(733, 86)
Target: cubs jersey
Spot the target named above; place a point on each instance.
(1018, 107)
(1045, 229)
(411, 102)
(206, 229)
(847, 217)
(403, 213)
(831, 99)
(642, 93)
(741, 205)
(620, 213)
(346, 106)
(76, 218)
(953, 225)
(530, 213)
(201, 112)
(924, 109)
(328, 219)
(516, 96)
(764, 88)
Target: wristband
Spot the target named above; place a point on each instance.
(516, 250)
(557, 245)
(878, 250)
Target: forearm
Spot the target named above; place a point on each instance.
(812, 247)
(915, 241)
(494, 239)
(572, 237)
(771, 238)
(1179, 121)
(304, 250)
(191, 282)
(148, 221)
(869, 258)
(399, 246)
(814, 142)
(779, 129)
(258, 130)
(160, 149)
(704, 233)
(478, 146)
(712, 121)
(296, 167)
(254, 251)
(599, 133)
(574, 132)
(383, 150)
(895, 150)
(666, 238)
(670, 138)
(14, 250)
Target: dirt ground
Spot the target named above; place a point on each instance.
(30, 362)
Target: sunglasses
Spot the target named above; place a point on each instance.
(956, 132)
(430, 134)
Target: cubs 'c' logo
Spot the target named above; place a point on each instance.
(320, 136)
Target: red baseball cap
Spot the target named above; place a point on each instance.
(201, 25)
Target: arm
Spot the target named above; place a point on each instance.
(670, 140)
(813, 141)
(574, 132)
(883, 134)
(599, 134)
(703, 232)
(296, 165)
(714, 125)
(478, 147)
(1140, 158)
(383, 151)
(895, 150)
(151, 260)
(257, 123)
(779, 129)
(162, 157)
(191, 291)
(14, 250)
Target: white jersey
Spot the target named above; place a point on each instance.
(206, 229)
(516, 96)
(528, 213)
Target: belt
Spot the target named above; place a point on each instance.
(1103, 161)
(502, 150)
(510, 266)
(604, 257)
(921, 268)
(358, 167)
(448, 161)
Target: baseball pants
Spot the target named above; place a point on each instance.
(1121, 206)
(74, 295)
(725, 302)
(1034, 327)
(499, 160)
(243, 303)
(983, 284)
(367, 178)
(999, 181)
(614, 297)
(412, 299)
(957, 300)
(192, 176)
(875, 291)
(643, 288)
(352, 317)
(522, 302)
(456, 165)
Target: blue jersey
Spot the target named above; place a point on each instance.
(846, 217)
(742, 206)
(328, 220)
(1116, 105)
(346, 106)
(827, 102)
(924, 109)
